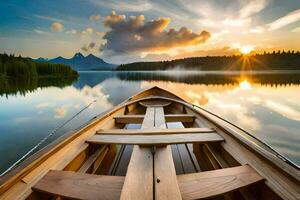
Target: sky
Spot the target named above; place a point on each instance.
(147, 30)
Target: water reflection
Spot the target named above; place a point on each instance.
(13, 86)
(245, 85)
(249, 100)
(278, 78)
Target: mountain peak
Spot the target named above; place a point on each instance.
(78, 55)
(91, 55)
(80, 62)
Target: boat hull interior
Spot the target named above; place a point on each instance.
(154, 145)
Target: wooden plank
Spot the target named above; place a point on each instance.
(91, 159)
(247, 193)
(157, 140)
(159, 118)
(217, 182)
(139, 177)
(166, 186)
(73, 185)
(129, 119)
(155, 103)
(152, 131)
(88, 164)
(136, 119)
(180, 118)
(148, 121)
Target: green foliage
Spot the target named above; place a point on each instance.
(12, 66)
(267, 61)
(14, 86)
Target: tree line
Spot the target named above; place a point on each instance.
(12, 66)
(276, 60)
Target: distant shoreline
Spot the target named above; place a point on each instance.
(200, 71)
(267, 61)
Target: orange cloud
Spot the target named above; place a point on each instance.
(95, 17)
(57, 27)
(134, 34)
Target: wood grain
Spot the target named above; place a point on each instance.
(216, 182)
(154, 131)
(125, 119)
(166, 186)
(89, 163)
(155, 103)
(73, 185)
(157, 140)
(139, 177)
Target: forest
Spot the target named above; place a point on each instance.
(279, 60)
(19, 67)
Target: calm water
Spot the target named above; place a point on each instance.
(265, 104)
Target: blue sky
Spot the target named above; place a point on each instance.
(40, 28)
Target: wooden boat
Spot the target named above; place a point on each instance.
(134, 152)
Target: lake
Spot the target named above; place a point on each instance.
(266, 104)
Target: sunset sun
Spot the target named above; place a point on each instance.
(246, 49)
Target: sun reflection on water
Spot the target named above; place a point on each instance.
(245, 85)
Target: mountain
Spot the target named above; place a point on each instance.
(81, 63)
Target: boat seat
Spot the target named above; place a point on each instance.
(155, 131)
(200, 185)
(74, 185)
(126, 119)
(156, 140)
(216, 182)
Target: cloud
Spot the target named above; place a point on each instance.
(257, 29)
(87, 31)
(50, 18)
(72, 31)
(100, 34)
(237, 14)
(95, 17)
(134, 34)
(22, 119)
(89, 47)
(40, 32)
(44, 105)
(284, 110)
(285, 20)
(57, 27)
(60, 112)
(252, 7)
(133, 6)
(296, 30)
